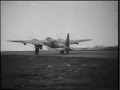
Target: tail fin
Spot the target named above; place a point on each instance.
(67, 43)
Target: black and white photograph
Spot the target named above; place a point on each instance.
(59, 45)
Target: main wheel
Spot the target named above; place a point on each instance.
(62, 52)
(36, 51)
(67, 52)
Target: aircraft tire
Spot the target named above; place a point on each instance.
(62, 52)
(67, 52)
(36, 51)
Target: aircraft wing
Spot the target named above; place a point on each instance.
(19, 41)
(74, 41)
(35, 42)
(77, 41)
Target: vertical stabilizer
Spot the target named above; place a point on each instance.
(67, 43)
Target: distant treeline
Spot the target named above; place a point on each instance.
(110, 48)
(102, 48)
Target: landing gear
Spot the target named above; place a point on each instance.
(67, 52)
(36, 51)
(62, 52)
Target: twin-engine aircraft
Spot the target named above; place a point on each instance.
(59, 44)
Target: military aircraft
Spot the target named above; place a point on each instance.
(59, 44)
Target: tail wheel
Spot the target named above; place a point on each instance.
(36, 51)
(62, 52)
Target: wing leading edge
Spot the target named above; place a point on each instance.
(77, 41)
(74, 41)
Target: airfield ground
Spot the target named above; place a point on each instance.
(81, 70)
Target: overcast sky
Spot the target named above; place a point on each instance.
(25, 20)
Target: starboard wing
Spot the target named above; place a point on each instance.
(77, 41)
(74, 41)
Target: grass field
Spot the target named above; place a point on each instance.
(85, 71)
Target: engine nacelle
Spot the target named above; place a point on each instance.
(24, 43)
(77, 43)
(39, 46)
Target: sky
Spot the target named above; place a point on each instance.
(25, 20)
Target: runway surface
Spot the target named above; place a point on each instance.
(93, 54)
(80, 70)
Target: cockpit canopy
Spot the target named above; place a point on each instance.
(48, 38)
(51, 40)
